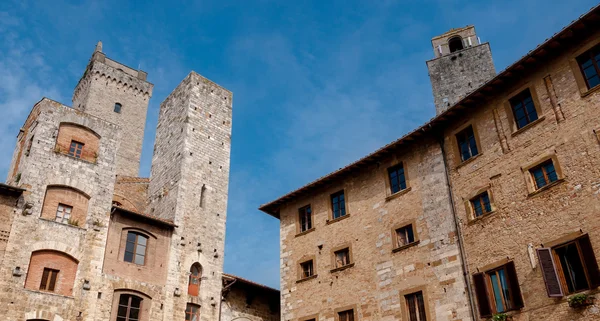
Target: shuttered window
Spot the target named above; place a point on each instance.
(416, 306)
(48, 282)
(497, 290)
(347, 315)
(570, 267)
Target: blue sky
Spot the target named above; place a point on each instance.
(317, 84)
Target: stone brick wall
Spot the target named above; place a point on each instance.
(106, 82)
(132, 193)
(69, 132)
(8, 209)
(56, 195)
(523, 220)
(243, 303)
(65, 264)
(454, 75)
(375, 286)
(189, 185)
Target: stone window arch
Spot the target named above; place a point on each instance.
(195, 279)
(51, 271)
(455, 44)
(65, 204)
(77, 141)
(130, 305)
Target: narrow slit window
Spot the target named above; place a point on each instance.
(397, 178)
(305, 214)
(75, 149)
(523, 108)
(589, 63)
(467, 145)
(48, 282)
(544, 174)
(135, 248)
(481, 204)
(338, 204)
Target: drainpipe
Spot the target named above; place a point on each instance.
(461, 248)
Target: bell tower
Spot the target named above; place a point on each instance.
(118, 94)
(461, 64)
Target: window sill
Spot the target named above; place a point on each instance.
(75, 158)
(50, 293)
(468, 161)
(402, 192)
(398, 249)
(307, 278)
(526, 127)
(545, 188)
(337, 219)
(590, 91)
(481, 217)
(63, 224)
(341, 268)
(305, 232)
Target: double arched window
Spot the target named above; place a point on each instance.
(195, 278)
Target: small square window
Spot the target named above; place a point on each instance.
(342, 257)
(307, 269)
(481, 204)
(523, 108)
(305, 217)
(117, 108)
(589, 63)
(63, 213)
(416, 306)
(48, 282)
(405, 236)
(544, 174)
(467, 145)
(347, 315)
(397, 178)
(75, 149)
(338, 204)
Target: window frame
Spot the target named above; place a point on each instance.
(332, 217)
(529, 178)
(137, 234)
(312, 269)
(390, 185)
(301, 214)
(456, 145)
(191, 313)
(580, 79)
(350, 258)
(404, 304)
(129, 306)
(413, 226)
(49, 280)
(194, 289)
(595, 64)
(510, 110)
(65, 208)
(345, 309)
(470, 207)
(77, 150)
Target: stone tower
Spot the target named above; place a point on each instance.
(461, 64)
(118, 94)
(188, 185)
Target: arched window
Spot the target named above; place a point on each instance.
(195, 277)
(65, 205)
(129, 307)
(117, 108)
(135, 248)
(455, 44)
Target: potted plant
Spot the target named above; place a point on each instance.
(501, 317)
(580, 300)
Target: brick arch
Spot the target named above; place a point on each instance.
(42, 315)
(58, 247)
(62, 202)
(146, 304)
(125, 203)
(139, 230)
(72, 132)
(64, 265)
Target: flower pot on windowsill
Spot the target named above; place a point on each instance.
(580, 301)
(502, 317)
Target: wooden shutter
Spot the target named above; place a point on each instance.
(513, 282)
(590, 261)
(53, 275)
(481, 293)
(421, 306)
(44, 279)
(412, 311)
(548, 268)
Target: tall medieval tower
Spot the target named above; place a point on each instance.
(461, 64)
(118, 94)
(189, 182)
